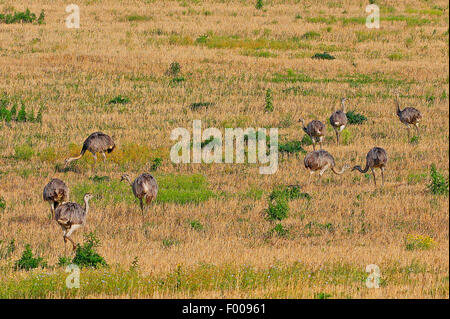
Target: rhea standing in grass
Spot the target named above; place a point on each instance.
(55, 193)
(316, 130)
(408, 116)
(320, 161)
(338, 120)
(71, 216)
(376, 158)
(144, 188)
(97, 142)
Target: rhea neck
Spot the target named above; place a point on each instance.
(343, 105)
(127, 178)
(86, 204)
(397, 104)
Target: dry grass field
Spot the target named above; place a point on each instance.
(207, 235)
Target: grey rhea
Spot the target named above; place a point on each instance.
(316, 130)
(338, 120)
(408, 116)
(144, 187)
(376, 158)
(321, 160)
(55, 193)
(97, 142)
(71, 216)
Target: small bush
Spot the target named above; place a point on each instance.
(22, 17)
(355, 118)
(269, 102)
(64, 261)
(278, 209)
(280, 230)
(439, 185)
(414, 140)
(291, 147)
(306, 140)
(119, 99)
(2, 203)
(86, 256)
(420, 242)
(169, 242)
(322, 295)
(27, 261)
(196, 225)
(174, 69)
(259, 4)
(288, 193)
(156, 163)
(323, 56)
(23, 152)
(346, 137)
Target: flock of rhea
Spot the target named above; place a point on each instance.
(70, 216)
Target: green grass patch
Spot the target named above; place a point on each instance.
(439, 184)
(180, 189)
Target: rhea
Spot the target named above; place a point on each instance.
(71, 216)
(338, 120)
(376, 158)
(408, 116)
(55, 193)
(97, 142)
(144, 188)
(320, 161)
(316, 130)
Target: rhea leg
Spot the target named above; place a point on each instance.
(337, 134)
(408, 128)
(141, 204)
(417, 128)
(311, 172)
(382, 176)
(373, 173)
(104, 157)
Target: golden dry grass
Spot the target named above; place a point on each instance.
(74, 73)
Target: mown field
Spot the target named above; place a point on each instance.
(208, 235)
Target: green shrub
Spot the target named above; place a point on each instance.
(174, 69)
(323, 295)
(278, 209)
(119, 99)
(439, 185)
(64, 261)
(23, 152)
(306, 140)
(355, 118)
(22, 17)
(280, 230)
(86, 256)
(196, 225)
(288, 193)
(259, 4)
(291, 147)
(269, 102)
(2, 203)
(27, 261)
(156, 163)
(323, 56)
(346, 137)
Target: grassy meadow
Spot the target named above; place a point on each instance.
(136, 70)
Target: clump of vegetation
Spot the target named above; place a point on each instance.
(64, 261)
(439, 185)
(119, 99)
(2, 203)
(137, 17)
(198, 105)
(306, 140)
(323, 56)
(86, 256)
(291, 147)
(27, 261)
(289, 193)
(169, 242)
(355, 118)
(346, 137)
(156, 163)
(280, 230)
(22, 17)
(310, 35)
(23, 152)
(421, 242)
(414, 140)
(21, 116)
(269, 101)
(174, 69)
(322, 295)
(196, 225)
(278, 209)
(259, 4)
